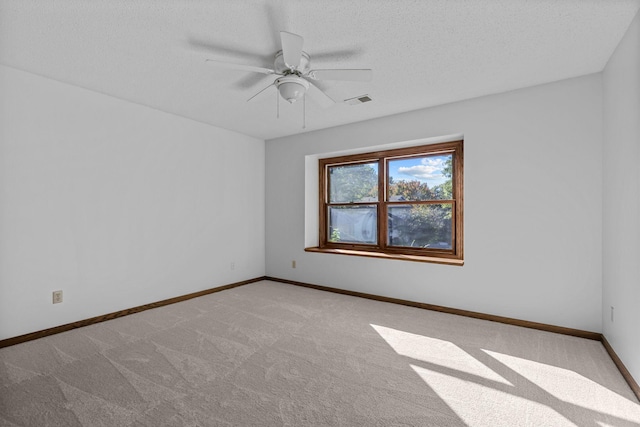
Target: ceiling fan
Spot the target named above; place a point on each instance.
(295, 80)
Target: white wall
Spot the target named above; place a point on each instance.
(533, 206)
(116, 204)
(621, 209)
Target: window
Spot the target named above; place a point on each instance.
(404, 203)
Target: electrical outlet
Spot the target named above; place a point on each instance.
(293, 264)
(233, 265)
(57, 297)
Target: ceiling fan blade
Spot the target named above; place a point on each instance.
(336, 55)
(319, 96)
(233, 53)
(249, 80)
(240, 67)
(260, 92)
(361, 75)
(291, 49)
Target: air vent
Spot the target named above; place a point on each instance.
(358, 100)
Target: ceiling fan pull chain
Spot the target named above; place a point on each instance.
(277, 105)
(304, 111)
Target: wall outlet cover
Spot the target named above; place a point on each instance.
(57, 297)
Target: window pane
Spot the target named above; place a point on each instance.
(421, 178)
(420, 226)
(353, 183)
(353, 224)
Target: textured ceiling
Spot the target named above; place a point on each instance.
(423, 52)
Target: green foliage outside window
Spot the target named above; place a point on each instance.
(354, 183)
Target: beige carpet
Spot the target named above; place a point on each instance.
(270, 354)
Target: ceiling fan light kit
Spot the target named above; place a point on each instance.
(291, 87)
(295, 80)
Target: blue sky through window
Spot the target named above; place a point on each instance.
(424, 169)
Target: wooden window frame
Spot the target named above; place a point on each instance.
(381, 249)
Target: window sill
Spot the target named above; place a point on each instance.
(416, 258)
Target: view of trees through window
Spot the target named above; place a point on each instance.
(354, 183)
(420, 179)
(352, 189)
(419, 201)
(403, 203)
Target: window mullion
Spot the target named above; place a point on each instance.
(382, 203)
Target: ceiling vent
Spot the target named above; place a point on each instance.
(358, 100)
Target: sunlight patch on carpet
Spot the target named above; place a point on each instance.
(439, 352)
(569, 386)
(479, 405)
(489, 388)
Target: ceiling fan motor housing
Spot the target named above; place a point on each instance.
(281, 68)
(292, 87)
